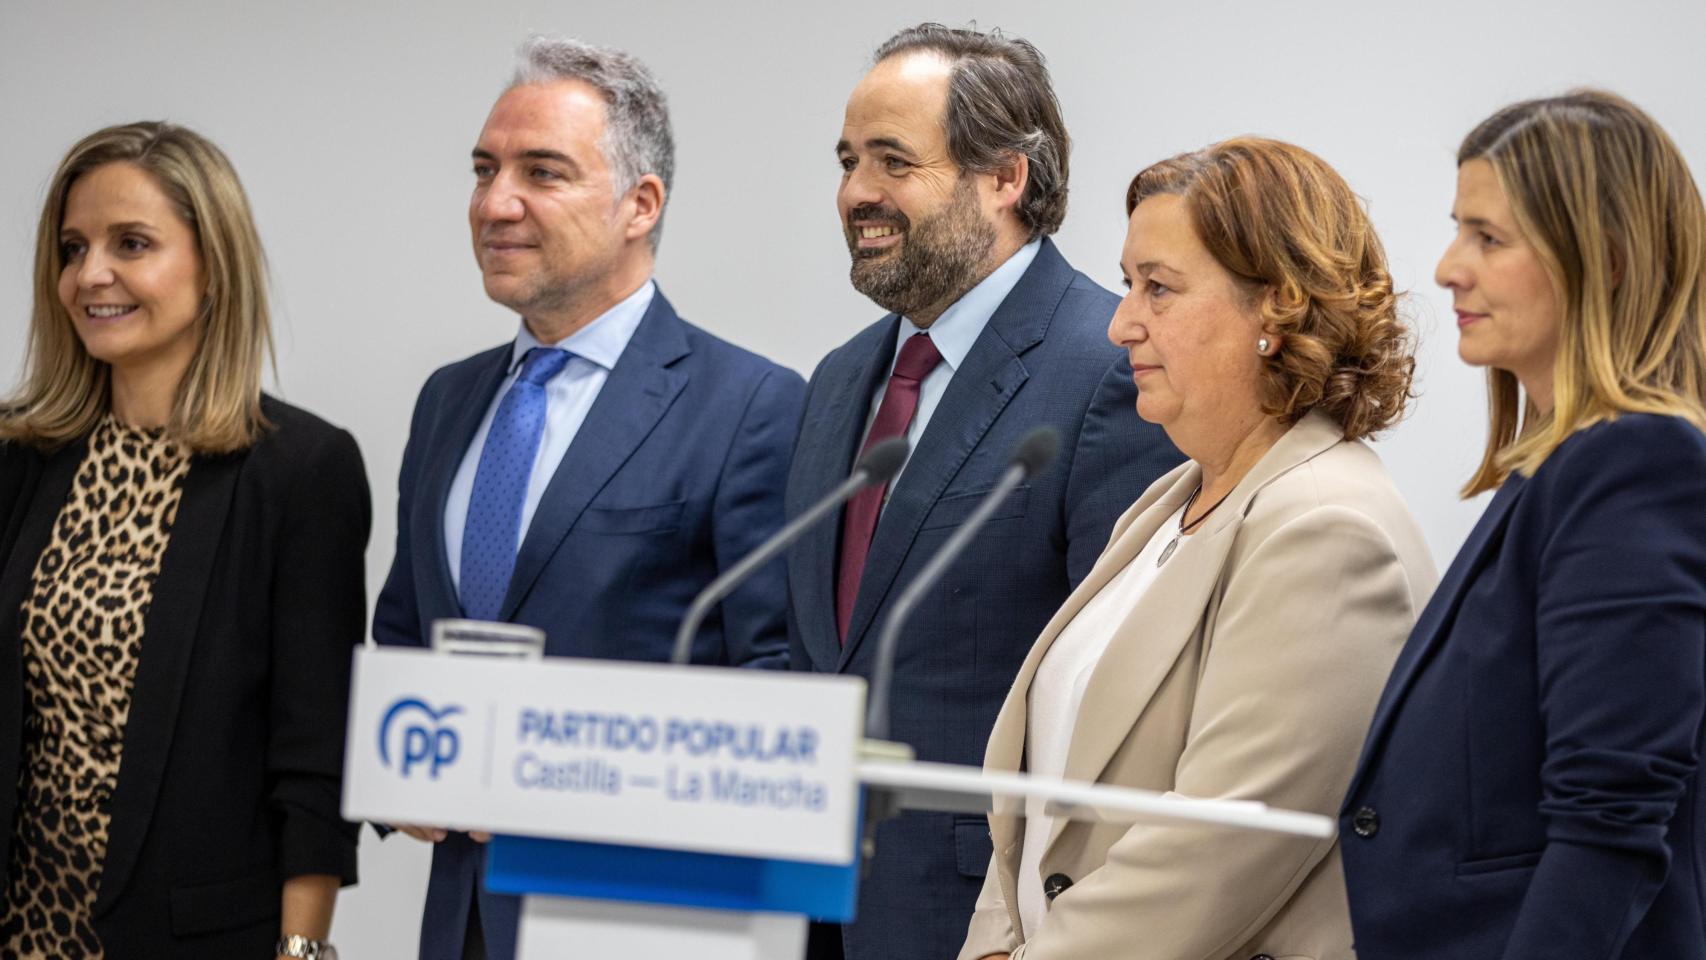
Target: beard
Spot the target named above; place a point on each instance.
(937, 260)
(552, 284)
(541, 294)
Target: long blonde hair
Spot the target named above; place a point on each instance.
(1608, 203)
(217, 408)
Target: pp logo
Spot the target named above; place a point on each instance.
(426, 739)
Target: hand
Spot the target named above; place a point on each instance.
(423, 834)
(437, 834)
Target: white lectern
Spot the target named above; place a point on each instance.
(644, 809)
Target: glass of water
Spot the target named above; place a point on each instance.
(483, 638)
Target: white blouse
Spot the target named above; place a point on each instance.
(1057, 691)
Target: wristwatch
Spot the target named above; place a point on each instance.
(296, 945)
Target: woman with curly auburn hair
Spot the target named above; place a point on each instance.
(1532, 785)
(1232, 639)
(181, 583)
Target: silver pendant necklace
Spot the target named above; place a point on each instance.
(1184, 528)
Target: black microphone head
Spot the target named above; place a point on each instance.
(1036, 449)
(884, 460)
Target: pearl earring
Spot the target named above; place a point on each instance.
(1262, 346)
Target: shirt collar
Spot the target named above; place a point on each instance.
(601, 341)
(958, 327)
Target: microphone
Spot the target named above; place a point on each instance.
(1033, 453)
(877, 467)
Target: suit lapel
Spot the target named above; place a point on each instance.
(1436, 620)
(1141, 520)
(978, 393)
(1150, 637)
(824, 462)
(1170, 613)
(169, 633)
(48, 497)
(1146, 644)
(981, 388)
(449, 446)
(640, 389)
(1006, 750)
(51, 488)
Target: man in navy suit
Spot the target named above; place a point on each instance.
(954, 161)
(590, 477)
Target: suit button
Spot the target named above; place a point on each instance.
(1055, 883)
(1366, 822)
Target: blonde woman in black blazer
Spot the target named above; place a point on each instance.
(181, 583)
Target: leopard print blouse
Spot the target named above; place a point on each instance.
(82, 634)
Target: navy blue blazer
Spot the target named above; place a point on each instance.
(1044, 358)
(676, 474)
(1530, 786)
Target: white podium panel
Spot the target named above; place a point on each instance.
(553, 928)
(738, 762)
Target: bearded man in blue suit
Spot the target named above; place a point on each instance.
(954, 174)
(590, 477)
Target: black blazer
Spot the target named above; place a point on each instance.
(233, 752)
(1531, 785)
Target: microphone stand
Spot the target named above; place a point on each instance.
(1034, 452)
(879, 465)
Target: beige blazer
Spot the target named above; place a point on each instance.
(1249, 670)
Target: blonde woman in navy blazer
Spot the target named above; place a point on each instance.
(1531, 785)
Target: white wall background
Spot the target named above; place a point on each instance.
(351, 121)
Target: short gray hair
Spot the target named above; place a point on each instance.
(637, 138)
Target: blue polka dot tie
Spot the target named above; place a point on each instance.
(492, 534)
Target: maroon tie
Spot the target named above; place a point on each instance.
(917, 358)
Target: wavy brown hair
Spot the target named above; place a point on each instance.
(1286, 225)
(217, 408)
(1608, 204)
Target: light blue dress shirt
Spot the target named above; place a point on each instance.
(594, 351)
(954, 332)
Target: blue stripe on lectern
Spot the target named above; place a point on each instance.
(602, 871)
